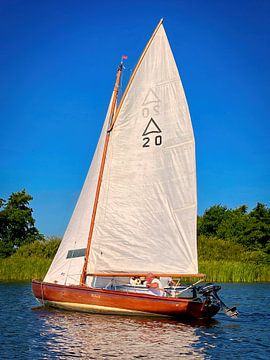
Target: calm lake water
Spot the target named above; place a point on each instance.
(31, 332)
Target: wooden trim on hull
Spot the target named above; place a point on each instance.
(110, 301)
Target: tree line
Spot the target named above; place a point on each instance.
(250, 229)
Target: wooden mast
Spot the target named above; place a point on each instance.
(115, 94)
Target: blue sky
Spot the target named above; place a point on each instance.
(57, 68)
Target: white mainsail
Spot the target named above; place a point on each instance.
(146, 214)
(147, 205)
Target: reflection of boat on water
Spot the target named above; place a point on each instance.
(118, 336)
(137, 210)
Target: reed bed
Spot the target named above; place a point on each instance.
(13, 268)
(220, 260)
(234, 271)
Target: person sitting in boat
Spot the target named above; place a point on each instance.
(154, 285)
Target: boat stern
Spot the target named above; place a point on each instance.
(213, 303)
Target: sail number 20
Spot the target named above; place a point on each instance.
(157, 142)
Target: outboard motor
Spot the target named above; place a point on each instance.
(209, 292)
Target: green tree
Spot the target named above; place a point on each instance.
(251, 230)
(17, 226)
(208, 223)
(258, 230)
(233, 226)
(237, 225)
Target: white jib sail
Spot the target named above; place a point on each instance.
(147, 209)
(67, 265)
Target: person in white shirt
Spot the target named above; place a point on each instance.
(154, 285)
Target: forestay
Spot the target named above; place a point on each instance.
(146, 214)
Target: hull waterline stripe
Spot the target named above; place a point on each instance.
(98, 308)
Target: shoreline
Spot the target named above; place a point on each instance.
(14, 269)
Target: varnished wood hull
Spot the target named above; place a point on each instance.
(118, 302)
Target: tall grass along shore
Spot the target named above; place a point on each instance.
(220, 260)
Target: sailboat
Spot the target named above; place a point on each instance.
(137, 210)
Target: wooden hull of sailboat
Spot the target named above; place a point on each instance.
(104, 301)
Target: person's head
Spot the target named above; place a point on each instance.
(149, 277)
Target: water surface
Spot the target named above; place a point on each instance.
(31, 332)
